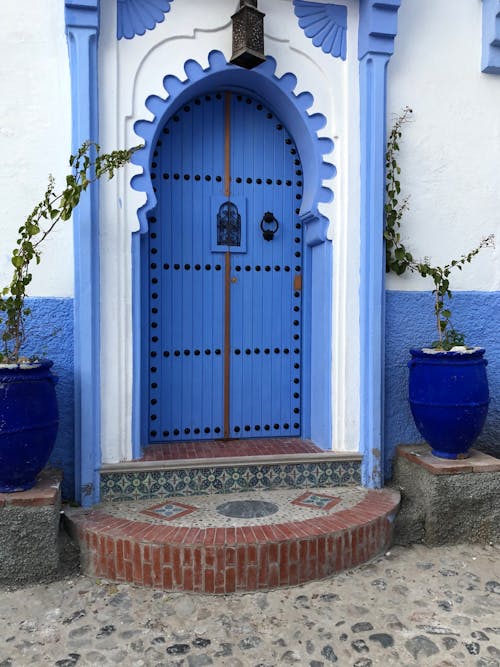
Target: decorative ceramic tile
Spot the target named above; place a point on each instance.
(170, 510)
(208, 513)
(318, 500)
(133, 485)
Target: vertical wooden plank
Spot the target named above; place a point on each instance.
(213, 137)
(227, 344)
(227, 273)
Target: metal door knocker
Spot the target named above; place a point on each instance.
(269, 226)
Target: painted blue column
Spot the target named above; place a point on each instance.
(82, 30)
(377, 29)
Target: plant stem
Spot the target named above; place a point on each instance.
(398, 259)
(88, 165)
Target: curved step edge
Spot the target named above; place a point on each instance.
(228, 560)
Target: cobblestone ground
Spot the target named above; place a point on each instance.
(412, 606)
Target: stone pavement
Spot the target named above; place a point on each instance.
(412, 606)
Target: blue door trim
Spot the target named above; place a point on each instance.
(292, 109)
(377, 30)
(82, 30)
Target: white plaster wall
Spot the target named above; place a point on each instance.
(35, 124)
(450, 155)
(131, 71)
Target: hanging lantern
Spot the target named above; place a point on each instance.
(248, 35)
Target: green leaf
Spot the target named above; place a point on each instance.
(53, 207)
(33, 229)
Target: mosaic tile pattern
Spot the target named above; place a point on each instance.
(204, 512)
(317, 500)
(169, 511)
(133, 485)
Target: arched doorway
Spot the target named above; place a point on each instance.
(221, 293)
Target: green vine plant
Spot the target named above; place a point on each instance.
(399, 259)
(87, 166)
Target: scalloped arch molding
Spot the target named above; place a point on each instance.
(292, 109)
(278, 92)
(134, 17)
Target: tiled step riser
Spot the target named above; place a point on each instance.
(227, 560)
(164, 482)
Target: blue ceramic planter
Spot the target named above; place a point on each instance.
(449, 399)
(28, 423)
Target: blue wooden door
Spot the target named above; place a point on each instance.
(224, 303)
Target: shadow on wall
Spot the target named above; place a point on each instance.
(409, 324)
(50, 335)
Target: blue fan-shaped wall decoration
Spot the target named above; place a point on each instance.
(325, 24)
(134, 17)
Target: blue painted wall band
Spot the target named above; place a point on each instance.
(410, 323)
(49, 332)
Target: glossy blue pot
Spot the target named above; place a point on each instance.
(28, 423)
(449, 399)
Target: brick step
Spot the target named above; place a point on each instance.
(190, 544)
(214, 449)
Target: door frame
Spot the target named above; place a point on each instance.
(278, 95)
(165, 217)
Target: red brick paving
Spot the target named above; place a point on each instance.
(213, 449)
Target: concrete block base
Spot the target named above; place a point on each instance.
(446, 502)
(29, 527)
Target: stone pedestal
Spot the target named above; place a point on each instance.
(444, 501)
(29, 527)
